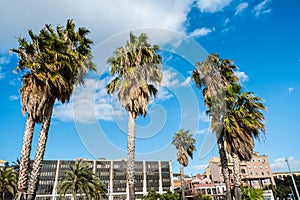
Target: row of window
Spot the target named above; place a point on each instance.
(262, 173)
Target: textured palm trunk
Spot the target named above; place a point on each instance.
(236, 177)
(225, 170)
(39, 156)
(131, 154)
(182, 181)
(25, 159)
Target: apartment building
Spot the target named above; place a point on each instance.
(256, 172)
(150, 175)
(200, 184)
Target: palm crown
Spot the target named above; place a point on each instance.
(135, 68)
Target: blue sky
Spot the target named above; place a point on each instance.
(261, 36)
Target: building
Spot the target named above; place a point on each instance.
(3, 163)
(200, 184)
(256, 172)
(150, 175)
(282, 175)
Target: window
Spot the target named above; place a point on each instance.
(268, 172)
(258, 160)
(262, 173)
(243, 171)
(208, 191)
(253, 160)
(260, 167)
(251, 173)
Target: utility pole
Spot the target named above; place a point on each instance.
(294, 183)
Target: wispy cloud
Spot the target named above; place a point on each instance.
(169, 79)
(136, 14)
(212, 5)
(204, 117)
(227, 20)
(242, 76)
(187, 82)
(13, 97)
(262, 8)
(203, 131)
(2, 75)
(291, 89)
(199, 167)
(240, 8)
(89, 103)
(201, 32)
(281, 165)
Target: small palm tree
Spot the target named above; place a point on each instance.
(52, 64)
(185, 144)
(250, 193)
(136, 69)
(80, 179)
(8, 183)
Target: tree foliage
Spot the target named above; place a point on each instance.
(8, 182)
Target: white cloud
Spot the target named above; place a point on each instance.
(163, 94)
(281, 165)
(187, 82)
(291, 89)
(89, 103)
(204, 117)
(201, 32)
(240, 8)
(13, 97)
(242, 76)
(203, 131)
(103, 18)
(212, 5)
(4, 60)
(261, 8)
(227, 20)
(199, 167)
(169, 79)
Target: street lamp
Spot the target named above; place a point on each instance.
(295, 186)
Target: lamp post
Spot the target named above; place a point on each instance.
(294, 183)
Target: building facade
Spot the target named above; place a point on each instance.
(256, 172)
(200, 184)
(149, 175)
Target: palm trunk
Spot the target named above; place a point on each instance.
(225, 170)
(25, 159)
(131, 154)
(182, 181)
(236, 177)
(39, 156)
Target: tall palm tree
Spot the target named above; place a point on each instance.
(52, 64)
(185, 144)
(79, 179)
(243, 122)
(8, 183)
(213, 76)
(136, 68)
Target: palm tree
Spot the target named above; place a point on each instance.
(135, 68)
(8, 183)
(101, 190)
(52, 64)
(250, 193)
(79, 179)
(213, 76)
(185, 144)
(243, 122)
